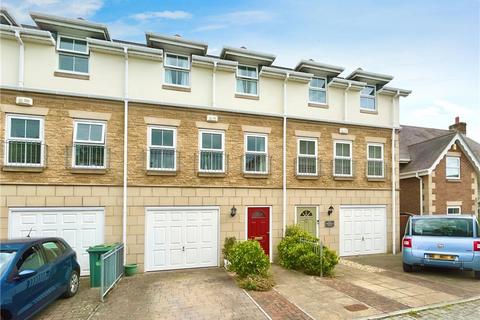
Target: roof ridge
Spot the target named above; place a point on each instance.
(442, 136)
(406, 125)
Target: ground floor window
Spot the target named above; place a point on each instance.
(454, 210)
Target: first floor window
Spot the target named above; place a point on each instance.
(212, 151)
(247, 80)
(317, 92)
(343, 158)
(24, 145)
(256, 147)
(307, 156)
(177, 70)
(162, 148)
(375, 160)
(367, 98)
(73, 54)
(454, 210)
(89, 144)
(453, 167)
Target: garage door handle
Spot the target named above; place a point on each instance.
(183, 248)
(363, 239)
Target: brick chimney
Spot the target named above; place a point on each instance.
(458, 126)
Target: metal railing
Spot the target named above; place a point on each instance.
(21, 153)
(307, 166)
(343, 168)
(317, 248)
(256, 163)
(111, 269)
(87, 156)
(162, 159)
(212, 161)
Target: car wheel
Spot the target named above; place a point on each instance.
(477, 275)
(73, 285)
(407, 267)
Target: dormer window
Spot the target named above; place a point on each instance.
(73, 54)
(177, 70)
(247, 80)
(367, 98)
(318, 91)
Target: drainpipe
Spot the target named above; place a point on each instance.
(345, 101)
(21, 58)
(421, 192)
(125, 153)
(284, 156)
(394, 182)
(214, 83)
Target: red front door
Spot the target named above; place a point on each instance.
(259, 226)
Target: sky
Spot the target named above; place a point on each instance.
(430, 46)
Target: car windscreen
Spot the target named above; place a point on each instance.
(443, 227)
(6, 257)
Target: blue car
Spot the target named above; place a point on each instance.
(444, 241)
(34, 273)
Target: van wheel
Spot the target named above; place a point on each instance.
(477, 275)
(407, 267)
(73, 285)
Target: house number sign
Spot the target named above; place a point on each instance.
(329, 224)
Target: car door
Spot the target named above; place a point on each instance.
(31, 293)
(59, 265)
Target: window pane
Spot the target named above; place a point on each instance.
(80, 46)
(96, 132)
(368, 91)
(32, 260)
(176, 61)
(342, 149)
(83, 131)
(167, 138)
(65, 62)
(247, 86)
(176, 77)
(256, 144)
(318, 83)
(81, 64)
(443, 227)
(216, 141)
(211, 161)
(375, 152)
(255, 162)
(89, 155)
(33, 129)
(307, 165)
(244, 71)
(317, 96)
(162, 159)
(307, 147)
(66, 43)
(206, 140)
(17, 128)
(453, 173)
(453, 162)
(375, 168)
(367, 103)
(343, 167)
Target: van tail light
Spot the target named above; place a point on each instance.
(476, 245)
(407, 243)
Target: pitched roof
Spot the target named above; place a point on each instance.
(422, 146)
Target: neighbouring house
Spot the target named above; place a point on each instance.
(439, 170)
(170, 150)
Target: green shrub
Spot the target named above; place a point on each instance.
(298, 255)
(227, 247)
(256, 282)
(247, 258)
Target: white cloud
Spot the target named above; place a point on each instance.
(66, 8)
(235, 18)
(172, 15)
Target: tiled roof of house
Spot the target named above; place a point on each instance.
(422, 146)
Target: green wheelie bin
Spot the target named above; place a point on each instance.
(95, 252)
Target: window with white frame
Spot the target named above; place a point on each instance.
(375, 168)
(73, 54)
(177, 70)
(161, 148)
(89, 144)
(454, 210)
(307, 156)
(453, 167)
(247, 80)
(342, 163)
(367, 98)
(212, 151)
(256, 148)
(24, 144)
(317, 92)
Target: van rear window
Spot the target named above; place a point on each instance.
(443, 227)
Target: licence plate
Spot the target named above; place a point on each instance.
(441, 257)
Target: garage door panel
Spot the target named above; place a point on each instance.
(159, 258)
(159, 235)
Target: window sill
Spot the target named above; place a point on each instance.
(246, 96)
(343, 178)
(88, 171)
(454, 180)
(307, 177)
(150, 172)
(376, 179)
(249, 175)
(368, 111)
(71, 75)
(22, 169)
(211, 174)
(318, 105)
(176, 88)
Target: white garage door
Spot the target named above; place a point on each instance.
(363, 230)
(80, 227)
(181, 237)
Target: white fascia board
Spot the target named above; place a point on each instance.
(176, 41)
(133, 50)
(411, 174)
(249, 54)
(344, 83)
(280, 73)
(393, 91)
(203, 61)
(370, 75)
(39, 35)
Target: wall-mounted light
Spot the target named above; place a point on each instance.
(330, 210)
(233, 211)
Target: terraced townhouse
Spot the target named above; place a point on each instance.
(170, 150)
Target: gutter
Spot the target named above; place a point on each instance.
(284, 156)
(421, 193)
(21, 58)
(125, 155)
